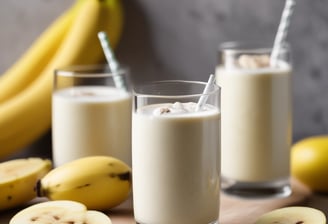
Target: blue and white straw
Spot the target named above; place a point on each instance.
(282, 31)
(111, 60)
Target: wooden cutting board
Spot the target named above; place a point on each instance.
(237, 211)
(233, 210)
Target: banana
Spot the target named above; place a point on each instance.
(58, 212)
(31, 63)
(99, 182)
(27, 116)
(18, 178)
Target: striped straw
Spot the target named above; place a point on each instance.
(282, 31)
(111, 60)
(207, 89)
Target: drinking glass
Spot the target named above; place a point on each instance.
(256, 120)
(175, 153)
(91, 113)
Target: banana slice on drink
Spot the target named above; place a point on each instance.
(57, 212)
(293, 215)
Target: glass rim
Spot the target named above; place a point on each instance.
(249, 47)
(163, 96)
(89, 71)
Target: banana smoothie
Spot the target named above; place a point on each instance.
(176, 157)
(89, 121)
(256, 122)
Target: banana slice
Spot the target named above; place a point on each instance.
(293, 215)
(55, 212)
(18, 178)
(96, 217)
(59, 212)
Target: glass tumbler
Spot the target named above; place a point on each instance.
(175, 153)
(91, 113)
(256, 120)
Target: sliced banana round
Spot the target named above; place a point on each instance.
(51, 212)
(96, 217)
(293, 215)
(18, 178)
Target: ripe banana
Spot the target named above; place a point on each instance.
(18, 179)
(27, 115)
(31, 63)
(99, 182)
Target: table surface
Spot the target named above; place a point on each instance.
(232, 210)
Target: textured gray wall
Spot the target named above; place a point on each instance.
(166, 39)
(179, 39)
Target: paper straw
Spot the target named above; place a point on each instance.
(111, 60)
(207, 89)
(282, 31)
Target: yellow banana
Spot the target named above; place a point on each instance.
(27, 116)
(31, 63)
(99, 182)
(59, 212)
(18, 179)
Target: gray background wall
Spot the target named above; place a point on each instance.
(179, 39)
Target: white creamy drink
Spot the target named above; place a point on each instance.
(174, 149)
(256, 121)
(91, 120)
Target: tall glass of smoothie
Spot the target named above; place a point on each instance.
(256, 120)
(175, 153)
(90, 114)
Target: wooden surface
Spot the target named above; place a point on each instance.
(246, 211)
(233, 210)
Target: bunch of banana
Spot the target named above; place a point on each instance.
(32, 62)
(25, 100)
(59, 212)
(18, 179)
(102, 185)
